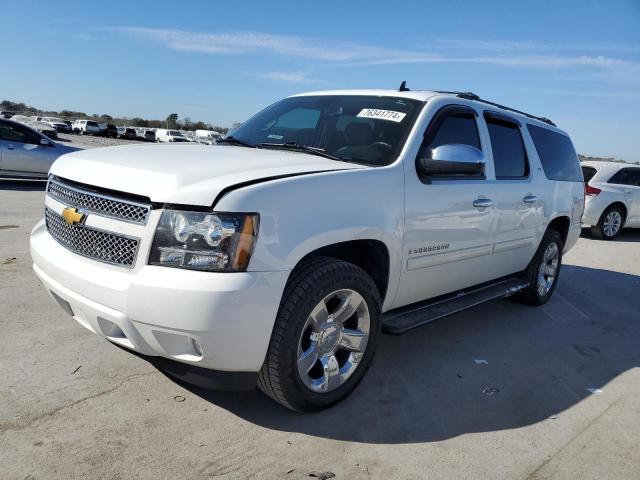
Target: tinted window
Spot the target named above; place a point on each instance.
(633, 174)
(588, 173)
(457, 128)
(509, 156)
(299, 118)
(556, 152)
(17, 133)
(628, 176)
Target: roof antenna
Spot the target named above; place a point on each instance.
(403, 87)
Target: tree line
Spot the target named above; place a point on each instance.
(172, 120)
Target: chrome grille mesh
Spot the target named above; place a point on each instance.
(92, 243)
(99, 204)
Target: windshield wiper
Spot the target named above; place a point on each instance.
(231, 140)
(302, 148)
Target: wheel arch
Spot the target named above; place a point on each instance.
(371, 255)
(561, 225)
(622, 206)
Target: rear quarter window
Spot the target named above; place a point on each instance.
(588, 173)
(557, 155)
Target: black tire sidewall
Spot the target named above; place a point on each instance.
(530, 295)
(347, 277)
(601, 231)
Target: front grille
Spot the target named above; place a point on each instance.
(104, 205)
(92, 243)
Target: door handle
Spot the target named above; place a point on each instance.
(483, 202)
(530, 199)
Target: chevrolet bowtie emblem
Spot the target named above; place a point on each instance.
(72, 216)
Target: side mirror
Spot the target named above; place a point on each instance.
(45, 142)
(452, 159)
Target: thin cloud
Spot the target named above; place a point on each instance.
(509, 46)
(578, 93)
(328, 53)
(291, 77)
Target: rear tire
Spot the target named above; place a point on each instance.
(543, 271)
(324, 336)
(610, 224)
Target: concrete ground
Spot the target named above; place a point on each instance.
(74, 406)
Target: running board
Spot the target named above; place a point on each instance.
(401, 319)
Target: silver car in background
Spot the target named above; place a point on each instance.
(26, 153)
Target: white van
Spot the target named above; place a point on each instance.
(164, 135)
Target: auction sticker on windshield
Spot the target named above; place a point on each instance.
(382, 114)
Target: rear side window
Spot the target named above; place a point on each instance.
(556, 152)
(628, 176)
(588, 173)
(634, 176)
(509, 155)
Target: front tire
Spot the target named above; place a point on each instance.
(610, 224)
(543, 271)
(324, 336)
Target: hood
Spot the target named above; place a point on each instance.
(188, 174)
(64, 149)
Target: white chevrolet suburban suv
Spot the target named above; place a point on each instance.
(278, 256)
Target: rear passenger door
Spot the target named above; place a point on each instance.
(516, 193)
(632, 195)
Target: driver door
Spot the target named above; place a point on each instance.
(448, 236)
(22, 150)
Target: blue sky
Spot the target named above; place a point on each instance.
(576, 62)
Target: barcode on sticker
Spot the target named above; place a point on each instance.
(382, 114)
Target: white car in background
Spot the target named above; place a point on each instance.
(164, 135)
(612, 200)
(57, 123)
(86, 127)
(207, 137)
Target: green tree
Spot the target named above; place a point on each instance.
(172, 120)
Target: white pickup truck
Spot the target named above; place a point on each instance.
(278, 256)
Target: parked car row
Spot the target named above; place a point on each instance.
(38, 124)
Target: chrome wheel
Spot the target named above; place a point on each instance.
(548, 269)
(333, 341)
(612, 223)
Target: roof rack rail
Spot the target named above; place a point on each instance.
(473, 96)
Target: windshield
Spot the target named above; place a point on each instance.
(174, 133)
(358, 128)
(92, 124)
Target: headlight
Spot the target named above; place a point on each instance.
(219, 242)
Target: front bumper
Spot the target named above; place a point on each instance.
(215, 321)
